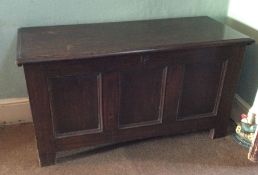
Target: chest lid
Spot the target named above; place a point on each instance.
(87, 41)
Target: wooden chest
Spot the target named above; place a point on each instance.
(95, 84)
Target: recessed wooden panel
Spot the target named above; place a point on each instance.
(201, 89)
(173, 89)
(76, 104)
(142, 97)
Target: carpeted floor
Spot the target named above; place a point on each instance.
(185, 154)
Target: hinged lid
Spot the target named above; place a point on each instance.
(84, 41)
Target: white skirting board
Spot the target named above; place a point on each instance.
(17, 110)
(14, 111)
(240, 106)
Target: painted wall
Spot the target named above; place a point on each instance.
(21, 13)
(248, 82)
(242, 16)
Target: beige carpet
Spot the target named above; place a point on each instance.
(187, 154)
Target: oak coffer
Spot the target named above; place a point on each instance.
(98, 84)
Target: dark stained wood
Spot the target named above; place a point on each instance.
(228, 90)
(201, 95)
(99, 84)
(42, 119)
(68, 114)
(144, 106)
(70, 42)
(172, 92)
